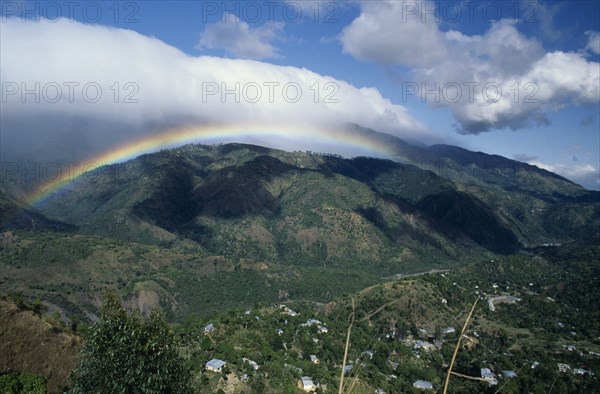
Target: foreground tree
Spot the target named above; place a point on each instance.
(127, 353)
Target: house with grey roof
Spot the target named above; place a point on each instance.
(423, 385)
(215, 365)
(307, 384)
(489, 376)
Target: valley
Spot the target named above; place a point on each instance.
(240, 236)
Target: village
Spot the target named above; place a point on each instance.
(306, 341)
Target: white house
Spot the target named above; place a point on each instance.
(448, 330)
(307, 384)
(489, 376)
(314, 359)
(209, 328)
(563, 367)
(215, 365)
(311, 322)
(368, 353)
(252, 363)
(424, 345)
(322, 330)
(423, 385)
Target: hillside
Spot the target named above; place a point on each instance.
(198, 228)
(14, 214)
(32, 344)
(528, 198)
(406, 330)
(253, 202)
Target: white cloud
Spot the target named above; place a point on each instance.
(496, 80)
(237, 37)
(389, 33)
(593, 44)
(171, 87)
(584, 174)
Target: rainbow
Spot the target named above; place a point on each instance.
(171, 138)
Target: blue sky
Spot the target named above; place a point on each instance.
(547, 51)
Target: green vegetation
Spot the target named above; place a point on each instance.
(127, 353)
(225, 234)
(551, 323)
(16, 383)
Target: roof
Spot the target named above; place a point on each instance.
(423, 384)
(215, 363)
(306, 381)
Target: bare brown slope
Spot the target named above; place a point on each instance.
(29, 344)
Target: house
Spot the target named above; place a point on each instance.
(489, 376)
(311, 322)
(288, 311)
(423, 385)
(279, 331)
(209, 328)
(314, 359)
(252, 363)
(322, 330)
(581, 371)
(424, 345)
(368, 353)
(215, 365)
(307, 384)
(448, 330)
(535, 364)
(563, 367)
(509, 374)
(348, 369)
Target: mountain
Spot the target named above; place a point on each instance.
(198, 230)
(247, 201)
(212, 226)
(14, 214)
(34, 344)
(531, 199)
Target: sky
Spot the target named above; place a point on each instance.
(516, 78)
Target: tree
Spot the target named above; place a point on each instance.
(128, 353)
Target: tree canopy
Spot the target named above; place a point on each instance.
(129, 353)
